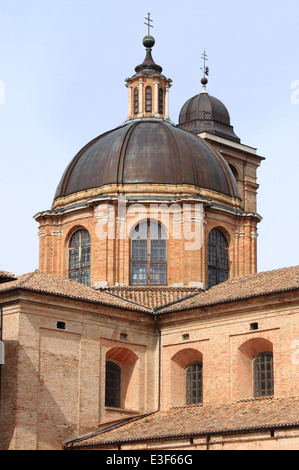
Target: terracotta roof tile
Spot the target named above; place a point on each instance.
(161, 300)
(57, 285)
(6, 277)
(153, 297)
(253, 285)
(196, 420)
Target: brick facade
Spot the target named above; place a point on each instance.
(53, 384)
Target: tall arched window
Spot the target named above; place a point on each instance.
(135, 100)
(263, 376)
(148, 254)
(79, 257)
(194, 383)
(161, 101)
(113, 385)
(218, 266)
(148, 99)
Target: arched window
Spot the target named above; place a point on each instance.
(194, 383)
(148, 99)
(135, 100)
(79, 257)
(148, 254)
(263, 377)
(234, 172)
(160, 101)
(218, 269)
(113, 385)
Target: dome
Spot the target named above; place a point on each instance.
(205, 113)
(147, 151)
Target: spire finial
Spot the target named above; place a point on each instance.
(205, 70)
(149, 25)
(148, 41)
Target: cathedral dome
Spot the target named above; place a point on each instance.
(205, 113)
(147, 151)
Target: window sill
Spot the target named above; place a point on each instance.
(121, 410)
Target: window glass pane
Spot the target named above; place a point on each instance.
(212, 279)
(160, 101)
(222, 276)
(113, 385)
(213, 237)
(85, 238)
(148, 249)
(79, 257)
(139, 274)
(139, 250)
(194, 383)
(221, 239)
(212, 256)
(74, 259)
(223, 258)
(263, 375)
(218, 261)
(75, 240)
(158, 274)
(156, 231)
(85, 277)
(148, 99)
(158, 250)
(136, 100)
(85, 256)
(140, 231)
(74, 276)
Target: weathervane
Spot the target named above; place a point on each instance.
(149, 21)
(205, 69)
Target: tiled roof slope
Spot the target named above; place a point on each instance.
(153, 297)
(5, 276)
(161, 299)
(57, 285)
(253, 285)
(196, 420)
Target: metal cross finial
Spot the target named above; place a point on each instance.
(205, 69)
(149, 25)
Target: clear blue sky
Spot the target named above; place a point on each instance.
(63, 65)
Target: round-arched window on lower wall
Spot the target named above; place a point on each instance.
(113, 385)
(79, 257)
(194, 383)
(218, 262)
(263, 376)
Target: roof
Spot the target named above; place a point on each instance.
(147, 151)
(160, 300)
(153, 297)
(57, 285)
(244, 287)
(5, 276)
(196, 420)
(205, 113)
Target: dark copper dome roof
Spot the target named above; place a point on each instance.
(147, 151)
(205, 113)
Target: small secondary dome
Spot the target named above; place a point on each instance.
(148, 151)
(205, 113)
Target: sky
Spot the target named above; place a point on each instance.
(63, 65)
